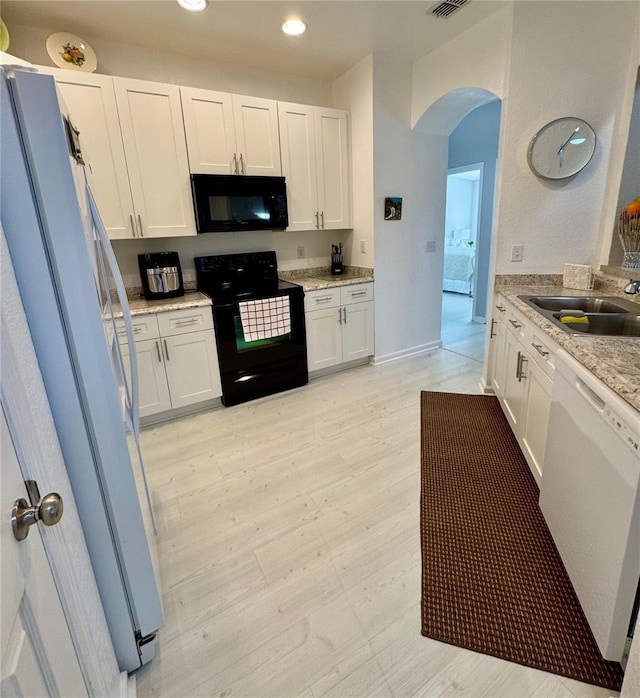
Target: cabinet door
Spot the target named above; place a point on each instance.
(513, 396)
(90, 102)
(257, 140)
(152, 379)
(497, 360)
(357, 331)
(192, 367)
(334, 188)
(535, 421)
(210, 132)
(324, 338)
(297, 144)
(156, 152)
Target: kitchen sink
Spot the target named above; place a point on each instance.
(586, 304)
(605, 317)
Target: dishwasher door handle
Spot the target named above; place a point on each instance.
(589, 394)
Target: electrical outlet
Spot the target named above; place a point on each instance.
(300, 251)
(431, 245)
(363, 246)
(517, 253)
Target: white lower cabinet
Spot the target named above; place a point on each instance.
(178, 367)
(339, 325)
(521, 362)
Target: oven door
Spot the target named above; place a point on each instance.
(237, 354)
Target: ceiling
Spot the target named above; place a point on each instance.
(247, 32)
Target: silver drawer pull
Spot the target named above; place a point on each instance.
(358, 293)
(191, 321)
(159, 354)
(135, 330)
(491, 335)
(500, 308)
(166, 349)
(539, 349)
(324, 299)
(517, 325)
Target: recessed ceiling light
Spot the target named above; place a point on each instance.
(194, 5)
(294, 27)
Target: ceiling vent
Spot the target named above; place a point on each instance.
(447, 8)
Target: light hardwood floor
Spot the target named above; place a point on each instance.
(459, 333)
(290, 551)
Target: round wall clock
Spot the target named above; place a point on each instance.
(561, 148)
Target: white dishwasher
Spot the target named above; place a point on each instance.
(590, 498)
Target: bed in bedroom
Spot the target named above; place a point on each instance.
(459, 264)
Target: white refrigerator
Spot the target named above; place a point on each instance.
(69, 282)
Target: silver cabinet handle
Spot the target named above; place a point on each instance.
(344, 312)
(322, 219)
(517, 325)
(491, 335)
(317, 221)
(241, 165)
(324, 299)
(518, 362)
(48, 510)
(500, 308)
(522, 362)
(235, 164)
(166, 349)
(141, 228)
(159, 354)
(136, 330)
(191, 321)
(133, 225)
(340, 316)
(358, 293)
(539, 349)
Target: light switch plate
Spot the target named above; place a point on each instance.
(517, 253)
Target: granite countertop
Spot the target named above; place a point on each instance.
(321, 277)
(141, 306)
(616, 362)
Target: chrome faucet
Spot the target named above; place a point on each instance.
(632, 287)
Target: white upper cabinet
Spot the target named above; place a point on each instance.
(230, 134)
(154, 143)
(315, 162)
(91, 104)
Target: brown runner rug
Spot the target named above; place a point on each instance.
(492, 579)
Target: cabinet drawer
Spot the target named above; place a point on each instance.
(543, 352)
(358, 293)
(144, 327)
(500, 307)
(516, 323)
(183, 321)
(325, 298)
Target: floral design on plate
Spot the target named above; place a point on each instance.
(71, 52)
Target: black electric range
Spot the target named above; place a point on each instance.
(252, 368)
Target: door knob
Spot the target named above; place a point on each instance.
(48, 510)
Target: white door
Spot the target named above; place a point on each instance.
(297, 144)
(497, 349)
(514, 383)
(324, 338)
(334, 189)
(38, 658)
(91, 104)
(536, 418)
(156, 151)
(210, 131)
(257, 136)
(357, 331)
(192, 367)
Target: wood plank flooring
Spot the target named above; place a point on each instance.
(289, 547)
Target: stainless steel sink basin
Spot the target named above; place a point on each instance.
(605, 325)
(586, 304)
(606, 316)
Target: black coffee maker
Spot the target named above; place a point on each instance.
(161, 275)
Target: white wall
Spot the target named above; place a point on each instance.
(462, 206)
(566, 59)
(353, 91)
(413, 166)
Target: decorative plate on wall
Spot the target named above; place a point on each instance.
(71, 52)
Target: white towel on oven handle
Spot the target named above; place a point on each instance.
(265, 318)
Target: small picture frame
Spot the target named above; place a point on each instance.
(392, 208)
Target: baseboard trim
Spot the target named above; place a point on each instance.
(321, 373)
(485, 387)
(406, 353)
(128, 686)
(480, 319)
(170, 415)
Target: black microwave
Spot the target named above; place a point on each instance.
(225, 203)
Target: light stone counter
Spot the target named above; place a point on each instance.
(321, 277)
(140, 306)
(616, 362)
